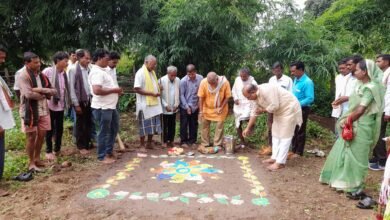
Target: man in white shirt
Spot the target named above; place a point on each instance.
(242, 106)
(148, 107)
(378, 160)
(285, 82)
(170, 98)
(112, 63)
(345, 83)
(6, 118)
(105, 95)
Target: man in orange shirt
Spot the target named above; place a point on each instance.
(214, 93)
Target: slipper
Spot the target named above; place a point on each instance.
(24, 177)
(366, 203)
(357, 195)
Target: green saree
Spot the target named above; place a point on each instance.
(347, 163)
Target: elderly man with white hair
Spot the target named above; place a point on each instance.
(170, 98)
(214, 93)
(148, 106)
(287, 115)
(242, 106)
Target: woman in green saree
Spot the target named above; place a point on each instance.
(347, 164)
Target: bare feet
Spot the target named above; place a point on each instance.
(142, 149)
(3, 193)
(295, 156)
(39, 163)
(34, 168)
(268, 161)
(275, 166)
(184, 145)
(108, 160)
(84, 151)
(165, 145)
(50, 156)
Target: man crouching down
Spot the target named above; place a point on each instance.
(286, 116)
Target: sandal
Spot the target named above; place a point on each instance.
(366, 203)
(357, 195)
(24, 177)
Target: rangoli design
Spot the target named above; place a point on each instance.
(180, 171)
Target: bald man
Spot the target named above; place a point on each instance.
(214, 93)
(286, 116)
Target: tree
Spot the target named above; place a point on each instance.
(317, 7)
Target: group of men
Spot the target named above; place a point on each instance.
(206, 101)
(71, 82)
(345, 83)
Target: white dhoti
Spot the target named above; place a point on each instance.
(242, 111)
(280, 147)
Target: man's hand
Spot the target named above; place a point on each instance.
(119, 91)
(236, 102)
(189, 111)
(340, 100)
(247, 132)
(168, 109)
(219, 110)
(157, 94)
(386, 118)
(78, 110)
(260, 111)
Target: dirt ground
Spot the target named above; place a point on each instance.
(293, 193)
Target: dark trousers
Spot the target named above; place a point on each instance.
(169, 127)
(299, 139)
(379, 153)
(188, 127)
(269, 125)
(2, 152)
(57, 128)
(83, 127)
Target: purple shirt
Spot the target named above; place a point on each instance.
(61, 104)
(189, 92)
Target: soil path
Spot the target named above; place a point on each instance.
(237, 187)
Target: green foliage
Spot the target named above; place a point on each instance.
(125, 64)
(127, 102)
(15, 138)
(317, 7)
(15, 163)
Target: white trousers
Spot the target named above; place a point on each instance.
(280, 147)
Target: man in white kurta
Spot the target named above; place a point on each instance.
(148, 106)
(6, 118)
(287, 115)
(170, 98)
(242, 106)
(345, 82)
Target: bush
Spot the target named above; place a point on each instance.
(14, 138)
(127, 102)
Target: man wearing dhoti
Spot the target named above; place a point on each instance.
(287, 115)
(214, 93)
(242, 106)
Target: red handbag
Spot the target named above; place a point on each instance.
(347, 132)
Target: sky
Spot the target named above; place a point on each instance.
(300, 3)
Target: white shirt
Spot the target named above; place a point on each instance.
(344, 87)
(284, 82)
(168, 94)
(148, 111)
(99, 77)
(112, 73)
(16, 84)
(386, 81)
(6, 117)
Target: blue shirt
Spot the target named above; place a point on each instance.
(189, 92)
(303, 89)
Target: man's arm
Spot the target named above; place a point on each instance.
(309, 94)
(183, 100)
(27, 90)
(71, 76)
(99, 90)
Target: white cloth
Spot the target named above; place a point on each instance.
(241, 111)
(17, 74)
(280, 147)
(112, 72)
(6, 117)
(386, 82)
(284, 81)
(344, 87)
(150, 111)
(99, 77)
(170, 96)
